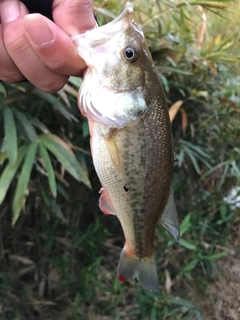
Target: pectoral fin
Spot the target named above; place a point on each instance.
(169, 218)
(113, 150)
(105, 203)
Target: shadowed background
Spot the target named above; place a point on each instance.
(58, 251)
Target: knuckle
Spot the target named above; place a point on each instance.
(56, 65)
(18, 44)
(12, 77)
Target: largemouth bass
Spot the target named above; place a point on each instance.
(131, 140)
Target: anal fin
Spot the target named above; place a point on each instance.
(105, 203)
(169, 218)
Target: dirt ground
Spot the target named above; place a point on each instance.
(223, 301)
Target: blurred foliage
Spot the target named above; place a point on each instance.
(57, 258)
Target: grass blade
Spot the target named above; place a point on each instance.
(9, 173)
(10, 134)
(187, 244)
(49, 168)
(23, 180)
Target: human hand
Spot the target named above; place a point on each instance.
(35, 48)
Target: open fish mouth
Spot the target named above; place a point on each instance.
(101, 35)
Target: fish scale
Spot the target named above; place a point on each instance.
(131, 140)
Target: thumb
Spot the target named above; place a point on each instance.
(73, 16)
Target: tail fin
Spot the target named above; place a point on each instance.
(144, 269)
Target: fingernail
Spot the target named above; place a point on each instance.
(38, 30)
(10, 11)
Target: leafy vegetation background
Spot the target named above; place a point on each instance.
(58, 253)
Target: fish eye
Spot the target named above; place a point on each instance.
(131, 54)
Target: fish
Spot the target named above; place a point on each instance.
(130, 139)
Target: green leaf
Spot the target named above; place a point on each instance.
(194, 162)
(208, 4)
(219, 165)
(191, 265)
(76, 81)
(164, 81)
(20, 193)
(56, 104)
(10, 134)
(223, 210)
(3, 157)
(65, 156)
(27, 126)
(181, 302)
(9, 173)
(49, 168)
(187, 244)
(3, 90)
(185, 225)
(215, 55)
(39, 124)
(85, 129)
(217, 256)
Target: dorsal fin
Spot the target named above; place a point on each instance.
(169, 218)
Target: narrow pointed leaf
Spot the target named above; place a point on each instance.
(49, 168)
(9, 173)
(10, 134)
(3, 90)
(56, 104)
(65, 156)
(185, 224)
(20, 193)
(173, 110)
(3, 157)
(76, 81)
(27, 126)
(187, 244)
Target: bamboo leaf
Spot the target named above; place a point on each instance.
(164, 81)
(27, 126)
(3, 90)
(65, 156)
(76, 81)
(56, 104)
(20, 193)
(194, 162)
(49, 168)
(9, 173)
(208, 4)
(3, 157)
(39, 124)
(10, 134)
